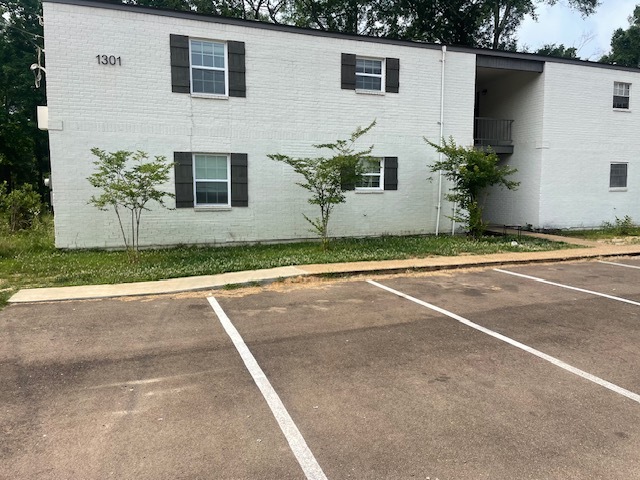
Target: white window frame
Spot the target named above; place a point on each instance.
(218, 69)
(381, 175)
(622, 89)
(381, 76)
(215, 180)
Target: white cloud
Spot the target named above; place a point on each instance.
(560, 24)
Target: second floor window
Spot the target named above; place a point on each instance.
(208, 67)
(621, 95)
(369, 74)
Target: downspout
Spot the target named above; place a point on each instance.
(439, 206)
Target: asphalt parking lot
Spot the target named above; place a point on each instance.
(511, 378)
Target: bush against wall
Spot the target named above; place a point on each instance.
(326, 178)
(21, 207)
(128, 182)
(471, 172)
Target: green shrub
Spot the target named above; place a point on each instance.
(621, 226)
(21, 207)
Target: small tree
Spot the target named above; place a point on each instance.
(129, 189)
(471, 172)
(326, 178)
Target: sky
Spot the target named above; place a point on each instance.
(591, 35)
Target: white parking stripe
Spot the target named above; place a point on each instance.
(559, 363)
(591, 292)
(297, 443)
(619, 264)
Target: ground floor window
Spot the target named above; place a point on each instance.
(372, 174)
(211, 179)
(618, 175)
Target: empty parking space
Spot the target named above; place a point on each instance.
(595, 334)
(410, 392)
(376, 385)
(140, 389)
(596, 276)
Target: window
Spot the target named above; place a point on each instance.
(372, 177)
(618, 175)
(211, 179)
(621, 94)
(208, 67)
(203, 179)
(205, 67)
(369, 74)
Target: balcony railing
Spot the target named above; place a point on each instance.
(494, 132)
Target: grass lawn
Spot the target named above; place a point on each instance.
(29, 259)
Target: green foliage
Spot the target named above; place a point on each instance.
(21, 207)
(553, 50)
(471, 172)
(474, 23)
(326, 178)
(23, 148)
(265, 10)
(621, 226)
(129, 188)
(625, 44)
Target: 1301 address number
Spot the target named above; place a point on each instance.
(109, 60)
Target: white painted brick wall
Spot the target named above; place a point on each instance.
(583, 134)
(293, 100)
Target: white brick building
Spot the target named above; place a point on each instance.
(218, 95)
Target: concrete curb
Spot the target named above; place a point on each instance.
(209, 282)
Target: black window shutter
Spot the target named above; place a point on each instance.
(347, 175)
(391, 173)
(180, 75)
(348, 72)
(237, 82)
(183, 172)
(392, 75)
(239, 180)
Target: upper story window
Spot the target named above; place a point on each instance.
(208, 67)
(372, 177)
(621, 93)
(211, 180)
(369, 74)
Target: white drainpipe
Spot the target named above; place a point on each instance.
(453, 221)
(439, 206)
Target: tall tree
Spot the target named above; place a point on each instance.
(347, 16)
(266, 10)
(553, 50)
(23, 148)
(625, 44)
(457, 22)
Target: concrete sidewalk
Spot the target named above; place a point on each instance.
(206, 282)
